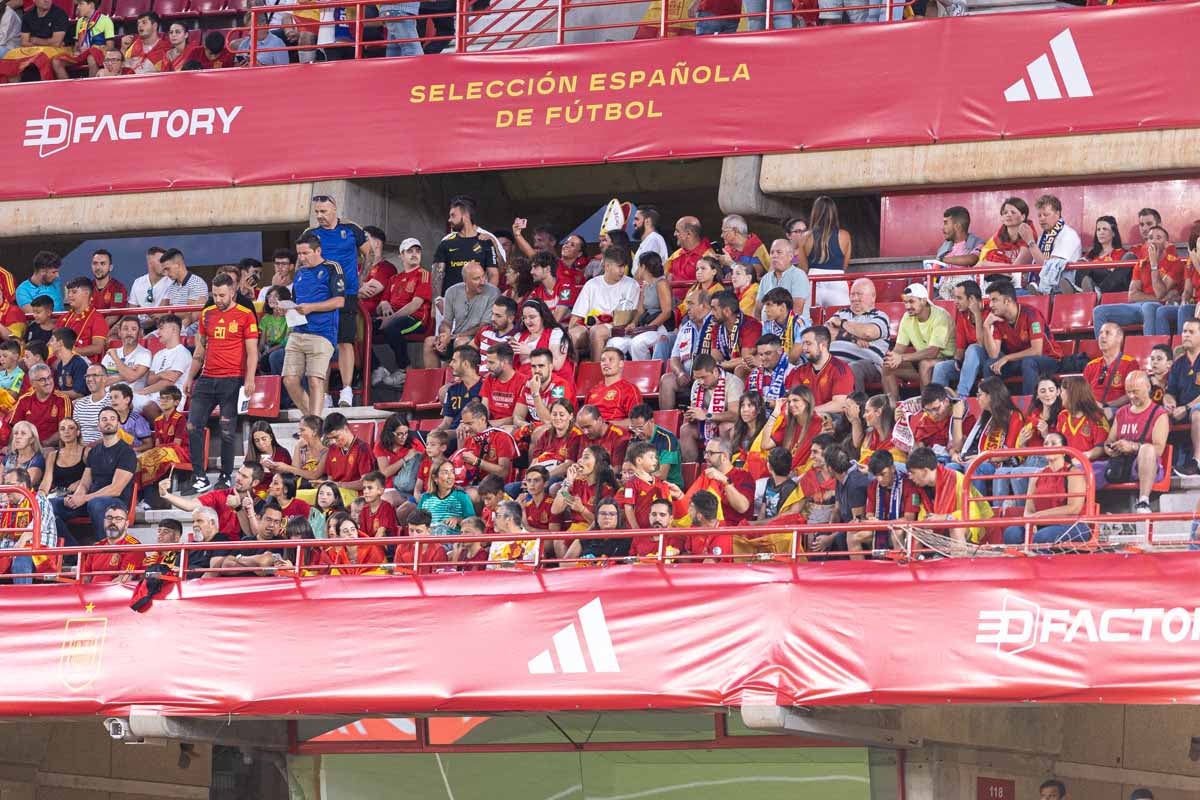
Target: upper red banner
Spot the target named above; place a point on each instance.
(960, 79)
(1101, 628)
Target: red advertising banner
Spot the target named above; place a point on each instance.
(959, 79)
(1101, 628)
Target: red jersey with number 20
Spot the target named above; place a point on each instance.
(225, 333)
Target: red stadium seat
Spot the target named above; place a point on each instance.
(669, 420)
(129, 9)
(645, 375)
(690, 470)
(152, 343)
(888, 290)
(1140, 346)
(420, 390)
(1159, 486)
(1072, 313)
(237, 6)
(268, 393)
(587, 375)
(1039, 301)
(946, 305)
(894, 311)
(190, 465)
(173, 9)
(1111, 298)
(364, 431)
(1023, 402)
(210, 8)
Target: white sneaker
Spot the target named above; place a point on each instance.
(380, 376)
(346, 397)
(395, 380)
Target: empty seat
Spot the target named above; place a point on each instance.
(1039, 301)
(420, 390)
(1072, 313)
(266, 398)
(173, 9)
(669, 420)
(587, 375)
(129, 9)
(210, 8)
(1139, 347)
(365, 431)
(645, 375)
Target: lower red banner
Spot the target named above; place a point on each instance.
(1101, 628)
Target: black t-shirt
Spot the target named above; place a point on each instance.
(36, 333)
(456, 251)
(200, 559)
(72, 376)
(39, 27)
(851, 493)
(104, 463)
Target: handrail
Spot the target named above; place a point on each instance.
(980, 269)
(660, 558)
(1089, 497)
(511, 24)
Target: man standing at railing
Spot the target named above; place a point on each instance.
(345, 243)
(401, 33)
(225, 361)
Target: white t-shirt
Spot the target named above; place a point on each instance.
(173, 358)
(141, 289)
(140, 357)
(600, 297)
(654, 243)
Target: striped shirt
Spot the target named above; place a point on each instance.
(846, 347)
(86, 413)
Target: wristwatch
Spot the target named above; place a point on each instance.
(708, 415)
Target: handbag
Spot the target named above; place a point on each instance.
(1119, 469)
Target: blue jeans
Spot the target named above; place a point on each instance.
(95, 511)
(1019, 486)
(997, 486)
(1165, 316)
(781, 14)
(976, 364)
(709, 27)
(402, 29)
(1127, 314)
(1049, 534)
(946, 373)
(22, 565)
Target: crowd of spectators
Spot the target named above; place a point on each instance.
(779, 404)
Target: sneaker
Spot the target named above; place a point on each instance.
(1186, 469)
(223, 483)
(1142, 507)
(201, 484)
(380, 376)
(346, 397)
(143, 506)
(395, 380)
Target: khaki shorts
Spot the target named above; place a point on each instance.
(307, 354)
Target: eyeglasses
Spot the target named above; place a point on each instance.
(117, 517)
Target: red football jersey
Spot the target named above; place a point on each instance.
(342, 466)
(641, 494)
(225, 334)
(615, 440)
(615, 401)
(1030, 326)
(404, 286)
(172, 431)
(501, 396)
(1108, 381)
(537, 515)
(492, 445)
(111, 562)
(383, 272)
(380, 522)
(113, 295)
(45, 416)
(834, 379)
(227, 521)
(88, 327)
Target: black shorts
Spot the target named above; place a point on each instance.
(348, 321)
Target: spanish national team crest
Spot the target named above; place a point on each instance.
(82, 648)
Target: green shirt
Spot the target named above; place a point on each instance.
(273, 329)
(668, 453)
(937, 331)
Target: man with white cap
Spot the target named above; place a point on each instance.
(926, 336)
(404, 310)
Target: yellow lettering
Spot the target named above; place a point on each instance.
(416, 94)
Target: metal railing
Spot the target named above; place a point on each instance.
(495, 29)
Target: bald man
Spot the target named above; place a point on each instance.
(1139, 430)
(860, 334)
(467, 306)
(681, 266)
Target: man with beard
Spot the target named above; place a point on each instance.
(107, 480)
(113, 566)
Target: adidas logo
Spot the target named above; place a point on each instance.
(1041, 73)
(569, 651)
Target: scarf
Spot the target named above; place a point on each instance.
(89, 38)
(788, 335)
(708, 428)
(778, 375)
(1046, 242)
(727, 342)
(894, 503)
(704, 344)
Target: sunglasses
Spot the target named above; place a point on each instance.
(322, 198)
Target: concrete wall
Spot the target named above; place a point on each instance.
(76, 760)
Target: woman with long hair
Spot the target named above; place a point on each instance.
(655, 312)
(1040, 417)
(1007, 245)
(999, 424)
(65, 465)
(25, 452)
(177, 53)
(871, 429)
(573, 261)
(518, 279)
(1082, 421)
(608, 517)
(356, 559)
(398, 454)
(1106, 249)
(745, 286)
(751, 418)
(265, 447)
(308, 455)
(560, 443)
(825, 250)
(328, 501)
(588, 480)
(1055, 494)
(538, 330)
(792, 424)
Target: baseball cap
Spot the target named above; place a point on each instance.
(917, 290)
(410, 242)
